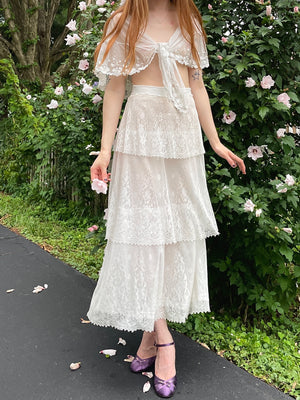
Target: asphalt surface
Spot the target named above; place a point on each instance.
(41, 334)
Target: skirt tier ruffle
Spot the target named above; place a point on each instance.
(159, 214)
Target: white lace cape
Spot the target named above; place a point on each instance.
(177, 49)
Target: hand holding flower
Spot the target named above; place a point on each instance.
(99, 167)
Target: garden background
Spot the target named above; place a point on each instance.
(50, 122)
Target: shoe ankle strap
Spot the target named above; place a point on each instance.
(163, 345)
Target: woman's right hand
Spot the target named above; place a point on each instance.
(99, 167)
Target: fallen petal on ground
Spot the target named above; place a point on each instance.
(74, 366)
(129, 358)
(148, 374)
(122, 341)
(108, 352)
(10, 290)
(205, 345)
(38, 289)
(146, 387)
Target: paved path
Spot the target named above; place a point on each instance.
(41, 334)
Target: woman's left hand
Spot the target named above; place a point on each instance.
(231, 158)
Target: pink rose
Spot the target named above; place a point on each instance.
(210, 7)
(83, 65)
(82, 6)
(224, 39)
(93, 228)
(72, 25)
(268, 11)
(99, 186)
(96, 99)
(267, 82)
(281, 133)
(278, 186)
(296, 9)
(100, 2)
(289, 180)
(285, 99)
(71, 40)
(59, 90)
(287, 230)
(87, 88)
(249, 82)
(229, 118)
(219, 57)
(255, 152)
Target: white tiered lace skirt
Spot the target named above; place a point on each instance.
(159, 214)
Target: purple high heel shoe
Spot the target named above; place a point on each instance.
(165, 388)
(141, 364)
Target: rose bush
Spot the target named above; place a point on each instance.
(255, 74)
(52, 160)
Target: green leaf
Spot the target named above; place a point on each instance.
(293, 96)
(275, 42)
(240, 68)
(278, 81)
(287, 252)
(289, 141)
(263, 111)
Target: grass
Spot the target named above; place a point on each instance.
(269, 349)
(64, 239)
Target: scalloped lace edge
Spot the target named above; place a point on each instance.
(136, 327)
(206, 235)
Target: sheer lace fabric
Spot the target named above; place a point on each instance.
(177, 49)
(154, 201)
(159, 214)
(140, 284)
(153, 130)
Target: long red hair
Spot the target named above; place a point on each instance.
(138, 10)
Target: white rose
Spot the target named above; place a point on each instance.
(72, 25)
(53, 104)
(249, 206)
(289, 180)
(59, 90)
(87, 88)
(258, 212)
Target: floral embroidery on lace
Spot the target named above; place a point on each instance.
(150, 126)
(155, 201)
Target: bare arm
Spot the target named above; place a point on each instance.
(206, 119)
(112, 104)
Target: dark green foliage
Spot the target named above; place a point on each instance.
(260, 260)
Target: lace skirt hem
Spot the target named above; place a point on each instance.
(131, 324)
(140, 284)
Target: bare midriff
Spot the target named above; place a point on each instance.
(151, 76)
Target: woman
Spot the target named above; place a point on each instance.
(159, 211)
